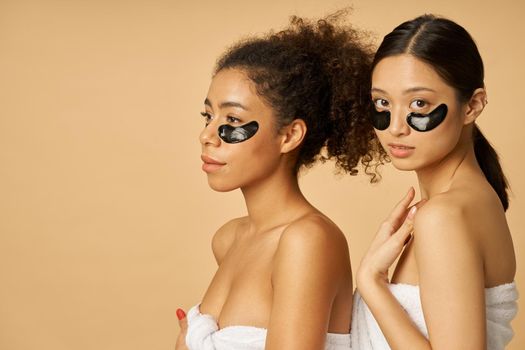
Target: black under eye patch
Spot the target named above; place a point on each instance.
(232, 134)
(380, 120)
(417, 121)
(427, 122)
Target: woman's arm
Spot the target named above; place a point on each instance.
(451, 285)
(451, 278)
(372, 278)
(309, 268)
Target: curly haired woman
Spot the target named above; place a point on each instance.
(277, 104)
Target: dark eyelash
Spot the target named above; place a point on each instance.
(234, 119)
(374, 101)
(205, 114)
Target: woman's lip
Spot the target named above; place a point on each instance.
(400, 145)
(398, 150)
(210, 165)
(209, 160)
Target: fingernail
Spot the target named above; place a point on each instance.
(180, 314)
(412, 212)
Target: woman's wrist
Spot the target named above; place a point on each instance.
(368, 280)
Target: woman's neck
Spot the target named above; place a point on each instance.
(275, 201)
(439, 177)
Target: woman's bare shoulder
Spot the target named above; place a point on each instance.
(316, 238)
(225, 236)
(461, 206)
(312, 251)
(443, 221)
(314, 228)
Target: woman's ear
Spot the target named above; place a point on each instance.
(293, 135)
(475, 105)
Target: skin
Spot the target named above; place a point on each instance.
(461, 242)
(285, 266)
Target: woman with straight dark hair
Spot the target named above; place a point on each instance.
(453, 285)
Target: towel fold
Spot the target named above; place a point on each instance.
(501, 308)
(204, 334)
(200, 330)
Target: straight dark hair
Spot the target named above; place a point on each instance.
(451, 51)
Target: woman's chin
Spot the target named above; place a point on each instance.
(403, 165)
(221, 187)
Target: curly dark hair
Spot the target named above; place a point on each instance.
(318, 71)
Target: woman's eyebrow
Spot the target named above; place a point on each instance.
(417, 89)
(225, 104)
(407, 91)
(374, 89)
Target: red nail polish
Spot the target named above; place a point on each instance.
(180, 314)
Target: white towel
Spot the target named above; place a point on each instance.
(501, 308)
(204, 334)
(200, 330)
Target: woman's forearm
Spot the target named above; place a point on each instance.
(399, 330)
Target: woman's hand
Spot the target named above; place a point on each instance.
(183, 323)
(388, 243)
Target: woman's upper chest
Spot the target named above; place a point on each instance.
(241, 291)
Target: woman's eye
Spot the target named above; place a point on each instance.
(381, 103)
(207, 117)
(418, 104)
(231, 119)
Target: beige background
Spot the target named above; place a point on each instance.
(105, 215)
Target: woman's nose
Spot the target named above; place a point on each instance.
(209, 135)
(398, 123)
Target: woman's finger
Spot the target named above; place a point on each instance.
(183, 321)
(402, 235)
(183, 324)
(399, 212)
